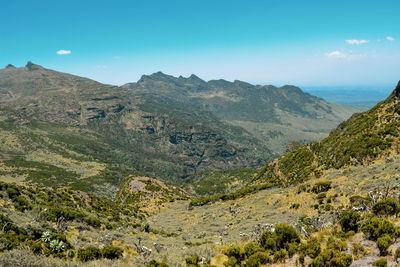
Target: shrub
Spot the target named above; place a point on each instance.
(312, 248)
(111, 252)
(251, 248)
(376, 227)
(380, 263)
(235, 252)
(280, 255)
(349, 221)
(231, 262)
(284, 234)
(332, 258)
(154, 263)
(12, 192)
(56, 213)
(192, 261)
(88, 254)
(383, 243)
(292, 249)
(92, 221)
(358, 249)
(321, 187)
(386, 207)
(145, 227)
(258, 259)
(337, 244)
(21, 203)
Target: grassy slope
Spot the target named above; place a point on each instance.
(363, 138)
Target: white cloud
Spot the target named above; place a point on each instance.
(390, 38)
(336, 54)
(357, 42)
(64, 52)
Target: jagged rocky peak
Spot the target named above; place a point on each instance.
(195, 78)
(157, 76)
(32, 66)
(10, 66)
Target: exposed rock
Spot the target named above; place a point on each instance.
(30, 66)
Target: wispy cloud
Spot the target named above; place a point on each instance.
(336, 54)
(357, 42)
(64, 52)
(390, 38)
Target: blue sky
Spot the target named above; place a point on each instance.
(308, 42)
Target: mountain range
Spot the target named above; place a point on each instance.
(76, 157)
(92, 135)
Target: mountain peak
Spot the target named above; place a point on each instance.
(32, 66)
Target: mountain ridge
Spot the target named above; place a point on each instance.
(161, 126)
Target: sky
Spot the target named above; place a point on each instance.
(306, 43)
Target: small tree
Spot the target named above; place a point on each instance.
(386, 207)
(350, 221)
(383, 243)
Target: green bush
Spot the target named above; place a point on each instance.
(337, 244)
(257, 259)
(311, 248)
(92, 221)
(88, 254)
(292, 249)
(111, 252)
(376, 227)
(386, 207)
(321, 187)
(332, 258)
(280, 255)
(192, 261)
(358, 249)
(380, 263)
(349, 221)
(235, 252)
(56, 213)
(383, 243)
(145, 227)
(231, 262)
(252, 248)
(12, 192)
(279, 239)
(154, 263)
(21, 203)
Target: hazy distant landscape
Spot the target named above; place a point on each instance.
(358, 96)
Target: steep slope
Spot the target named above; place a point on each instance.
(274, 115)
(364, 138)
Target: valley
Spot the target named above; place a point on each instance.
(182, 172)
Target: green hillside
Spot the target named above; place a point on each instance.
(59, 129)
(364, 138)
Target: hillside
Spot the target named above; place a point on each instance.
(347, 215)
(364, 138)
(275, 115)
(59, 129)
(56, 125)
